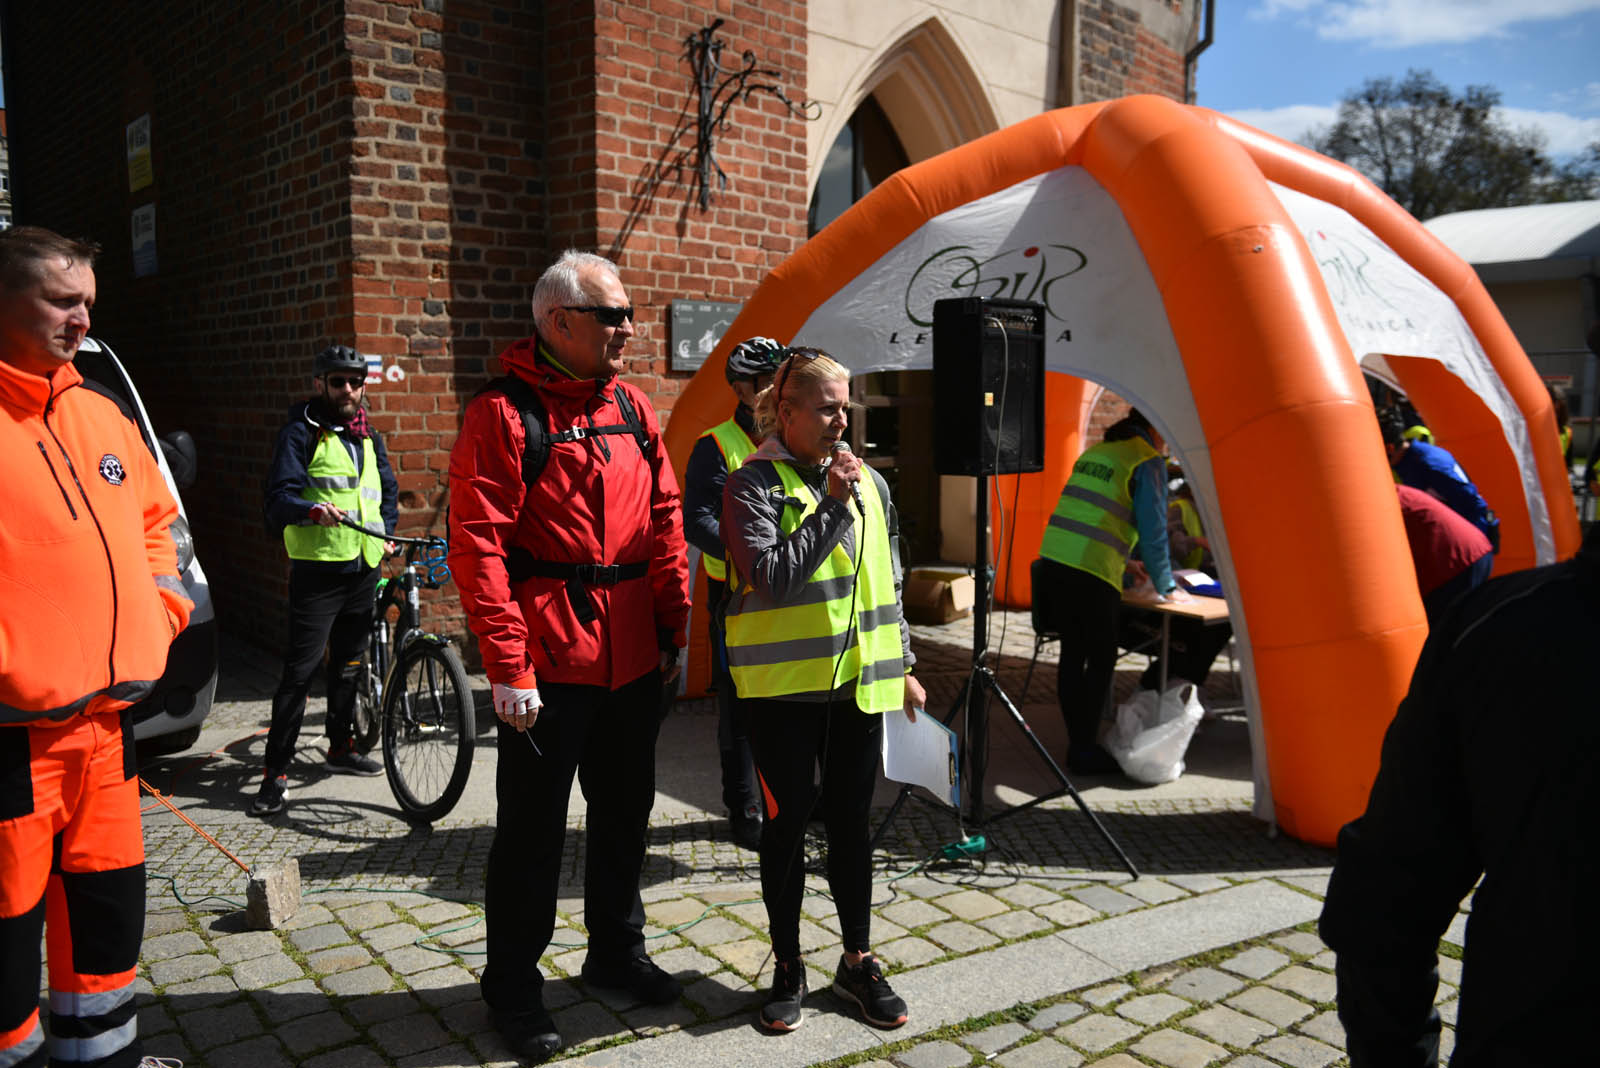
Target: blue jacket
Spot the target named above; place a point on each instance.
(1434, 471)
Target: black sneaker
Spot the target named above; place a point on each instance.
(745, 828)
(273, 798)
(638, 976)
(347, 761)
(531, 1035)
(865, 985)
(782, 1010)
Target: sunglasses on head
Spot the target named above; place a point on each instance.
(788, 365)
(341, 381)
(605, 314)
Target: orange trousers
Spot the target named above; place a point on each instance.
(72, 869)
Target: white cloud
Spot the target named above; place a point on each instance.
(1291, 123)
(1565, 135)
(1406, 23)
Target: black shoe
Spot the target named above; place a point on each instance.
(865, 985)
(745, 828)
(531, 1035)
(1092, 760)
(345, 760)
(273, 798)
(638, 976)
(782, 1010)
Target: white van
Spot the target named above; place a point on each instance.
(182, 699)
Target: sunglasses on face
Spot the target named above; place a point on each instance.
(605, 314)
(353, 382)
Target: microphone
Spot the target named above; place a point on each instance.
(855, 487)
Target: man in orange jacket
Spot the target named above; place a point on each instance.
(90, 598)
(574, 578)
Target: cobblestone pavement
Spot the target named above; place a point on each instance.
(1038, 951)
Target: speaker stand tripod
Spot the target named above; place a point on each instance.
(981, 686)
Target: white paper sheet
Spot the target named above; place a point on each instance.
(923, 753)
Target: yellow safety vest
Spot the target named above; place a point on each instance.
(736, 447)
(1192, 527)
(332, 478)
(779, 649)
(1092, 528)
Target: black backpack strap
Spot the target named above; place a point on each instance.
(631, 421)
(536, 438)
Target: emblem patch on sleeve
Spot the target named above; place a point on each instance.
(111, 469)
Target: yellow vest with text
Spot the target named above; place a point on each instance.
(332, 478)
(1092, 528)
(779, 649)
(736, 447)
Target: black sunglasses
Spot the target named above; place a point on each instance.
(788, 365)
(605, 314)
(341, 381)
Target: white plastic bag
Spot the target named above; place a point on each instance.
(1152, 733)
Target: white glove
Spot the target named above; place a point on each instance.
(518, 708)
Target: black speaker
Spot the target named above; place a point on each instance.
(988, 386)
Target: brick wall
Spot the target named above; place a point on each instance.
(1129, 48)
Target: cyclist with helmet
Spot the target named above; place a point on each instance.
(720, 450)
(328, 463)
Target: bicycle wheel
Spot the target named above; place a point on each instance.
(428, 726)
(367, 716)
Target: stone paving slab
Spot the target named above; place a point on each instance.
(1005, 957)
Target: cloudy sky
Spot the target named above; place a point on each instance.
(1283, 65)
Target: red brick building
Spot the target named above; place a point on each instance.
(394, 175)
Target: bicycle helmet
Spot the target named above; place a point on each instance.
(753, 358)
(338, 358)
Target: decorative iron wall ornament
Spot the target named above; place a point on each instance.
(718, 89)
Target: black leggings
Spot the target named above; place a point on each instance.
(1085, 609)
(788, 738)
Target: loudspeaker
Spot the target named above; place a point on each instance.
(988, 386)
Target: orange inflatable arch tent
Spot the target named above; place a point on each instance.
(1233, 286)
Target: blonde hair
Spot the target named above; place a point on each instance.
(795, 376)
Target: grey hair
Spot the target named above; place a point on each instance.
(562, 284)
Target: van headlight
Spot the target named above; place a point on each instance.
(184, 541)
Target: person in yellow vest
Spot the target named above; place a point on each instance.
(328, 463)
(1115, 497)
(720, 450)
(818, 650)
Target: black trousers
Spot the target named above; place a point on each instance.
(1085, 609)
(327, 609)
(1191, 644)
(608, 738)
(790, 739)
(739, 790)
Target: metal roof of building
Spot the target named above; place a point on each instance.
(1567, 234)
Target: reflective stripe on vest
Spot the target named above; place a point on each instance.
(736, 447)
(332, 478)
(1092, 528)
(779, 649)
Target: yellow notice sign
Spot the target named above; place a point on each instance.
(141, 173)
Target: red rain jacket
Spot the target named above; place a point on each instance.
(90, 596)
(585, 508)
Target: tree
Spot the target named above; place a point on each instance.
(1436, 152)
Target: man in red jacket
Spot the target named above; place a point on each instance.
(1451, 555)
(90, 599)
(574, 578)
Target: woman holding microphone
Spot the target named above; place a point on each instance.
(818, 650)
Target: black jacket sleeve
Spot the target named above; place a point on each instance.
(286, 477)
(777, 567)
(390, 505)
(703, 482)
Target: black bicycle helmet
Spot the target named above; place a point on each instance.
(753, 358)
(338, 358)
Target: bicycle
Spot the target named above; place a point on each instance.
(412, 690)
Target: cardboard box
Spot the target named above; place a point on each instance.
(932, 595)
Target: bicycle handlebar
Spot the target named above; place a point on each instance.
(433, 559)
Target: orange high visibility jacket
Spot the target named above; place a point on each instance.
(90, 596)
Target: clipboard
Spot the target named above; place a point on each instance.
(925, 753)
